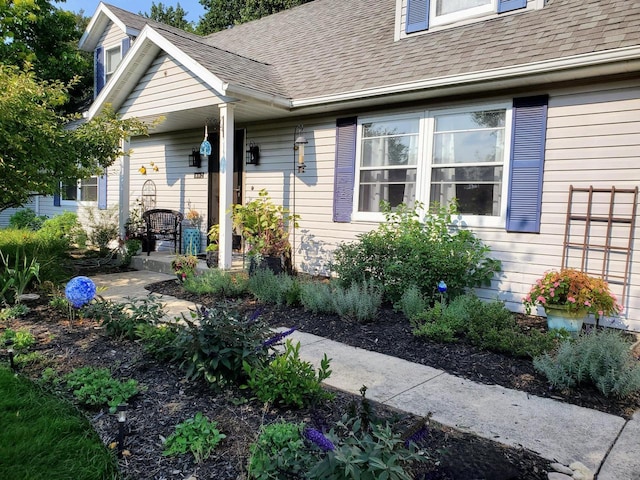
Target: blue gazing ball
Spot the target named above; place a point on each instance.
(442, 287)
(80, 291)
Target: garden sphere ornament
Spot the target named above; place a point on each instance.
(80, 291)
(442, 287)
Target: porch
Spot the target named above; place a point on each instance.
(160, 262)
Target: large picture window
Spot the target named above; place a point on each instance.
(435, 156)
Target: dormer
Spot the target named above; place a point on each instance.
(109, 38)
(415, 17)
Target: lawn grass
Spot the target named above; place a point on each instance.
(44, 437)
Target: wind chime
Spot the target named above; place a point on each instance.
(205, 146)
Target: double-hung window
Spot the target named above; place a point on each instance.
(436, 156)
(112, 58)
(448, 11)
(85, 190)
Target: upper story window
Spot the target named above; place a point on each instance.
(435, 156)
(422, 15)
(112, 58)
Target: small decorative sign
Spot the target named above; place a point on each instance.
(198, 175)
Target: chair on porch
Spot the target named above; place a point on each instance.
(163, 224)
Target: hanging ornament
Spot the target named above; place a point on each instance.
(205, 146)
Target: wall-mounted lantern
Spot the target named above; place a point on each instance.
(253, 154)
(194, 158)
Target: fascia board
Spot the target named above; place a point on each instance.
(607, 62)
(90, 37)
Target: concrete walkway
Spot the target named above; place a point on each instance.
(606, 444)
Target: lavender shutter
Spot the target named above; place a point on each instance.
(99, 79)
(102, 191)
(417, 16)
(509, 5)
(524, 203)
(346, 129)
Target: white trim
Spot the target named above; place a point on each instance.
(103, 10)
(465, 14)
(619, 59)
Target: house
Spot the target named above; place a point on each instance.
(526, 111)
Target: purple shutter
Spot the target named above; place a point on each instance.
(99, 80)
(126, 43)
(346, 129)
(509, 5)
(417, 16)
(56, 199)
(524, 203)
(102, 191)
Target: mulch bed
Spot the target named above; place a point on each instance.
(170, 399)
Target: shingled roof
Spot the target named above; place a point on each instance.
(330, 47)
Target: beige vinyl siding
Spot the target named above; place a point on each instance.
(166, 87)
(176, 187)
(111, 36)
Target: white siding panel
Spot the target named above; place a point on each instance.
(167, 86)
(111, 36)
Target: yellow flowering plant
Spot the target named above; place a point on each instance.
(574, 291)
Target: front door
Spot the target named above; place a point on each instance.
(213, 213)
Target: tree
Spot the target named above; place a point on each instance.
(221, 14)
(45, 39)
(176, 17)
(37, 146)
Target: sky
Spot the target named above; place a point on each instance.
(192, 7)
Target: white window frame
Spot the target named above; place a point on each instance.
(109, 73)
(79, 201)
(446, 19)
(425, 155)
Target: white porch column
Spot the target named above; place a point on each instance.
(123, 192)
(227, 129)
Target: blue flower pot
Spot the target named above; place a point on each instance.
(559, 317)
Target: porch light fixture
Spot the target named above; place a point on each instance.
(121, 412)
(195, 158)
(299, 141)
(253, 154)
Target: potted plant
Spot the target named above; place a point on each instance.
(263, 225)
(184, 266)
(212, 248)
(191, 232)
(568, 296)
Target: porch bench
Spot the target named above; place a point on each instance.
(163, 224)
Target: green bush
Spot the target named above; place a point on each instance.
(360, 301)
(268, 287)
(411, 302)
(215, 343)
(405, 251)
(280, 452)
(51, 253)
(217, 282)
(21, 339)
(96, 387)
(488, 325)
(602, 358)
(121, 319)
(26, 219)
(316, 297)
(65, 227)
(197, 435)
(287, 380)
(158, 340)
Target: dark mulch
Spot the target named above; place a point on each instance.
(391, 335)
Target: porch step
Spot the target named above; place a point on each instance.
(160, 262)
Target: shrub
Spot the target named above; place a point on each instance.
(217, 282)
(21, 339)
(359, 302)
(197, 435)
(96, 387)
(214, 343)
(280, 452)
(602, 358)
(404, 251)
(412, 302)
(158, 340)
(65, 227)
(317, 297)
(26, 219)
(121, 319)
(288, 381)
(268, 287)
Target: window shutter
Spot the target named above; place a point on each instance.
(524, 203)
(126, 43)
(102, 191)
(417, 16)
(509, 5)
(346, 129)
(56, 199)
(99, 80)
